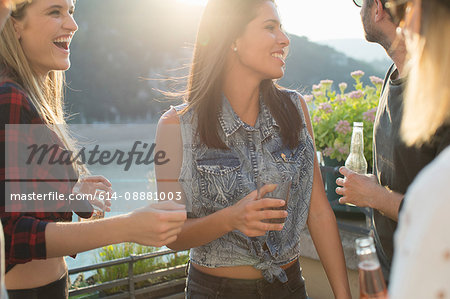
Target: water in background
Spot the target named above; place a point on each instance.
(139, 178)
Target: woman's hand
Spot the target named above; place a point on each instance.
(156, 224)
(97, 186)
(248, 213)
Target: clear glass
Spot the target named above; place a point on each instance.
(356, 160)
(283, 180)
(371, 280)
(320, 158)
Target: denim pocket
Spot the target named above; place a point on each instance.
(287, 155)
(220, 179)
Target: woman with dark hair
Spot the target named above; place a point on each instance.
(236, 125)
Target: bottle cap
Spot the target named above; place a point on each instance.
(364, 245)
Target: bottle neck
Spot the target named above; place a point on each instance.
(357, 144)
(368, 257)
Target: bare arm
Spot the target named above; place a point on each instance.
(365, 191)
(246, 215)
(324, 231)
(154, 225)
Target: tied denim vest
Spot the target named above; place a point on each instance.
(214, 179)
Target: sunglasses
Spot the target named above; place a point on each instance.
(399, 9)
(358, 3)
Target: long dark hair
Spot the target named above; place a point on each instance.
(222, 22)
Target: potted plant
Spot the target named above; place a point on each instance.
(332, 115)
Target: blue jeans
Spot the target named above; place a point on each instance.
(204, 286)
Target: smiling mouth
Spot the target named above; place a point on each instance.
(62, 45)
(278, 55)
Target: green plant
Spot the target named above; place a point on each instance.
(122, 250)
(333, 114)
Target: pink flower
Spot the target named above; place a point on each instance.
(375, 80)
(316, 87)
(369, 115)
(317, 119)
(326, 83)
(343, 127)
(340, 99)
(343, 150)
(357, 94)
(318, 94)
(308, 98)
(357, 74)
(326, 107)
(328, 151)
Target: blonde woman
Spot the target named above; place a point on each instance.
(421, 267)
(34, 53)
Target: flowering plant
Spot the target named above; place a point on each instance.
(333, 114)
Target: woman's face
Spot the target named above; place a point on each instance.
(45, 33)
(261, 49)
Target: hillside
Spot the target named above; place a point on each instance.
(119, 44)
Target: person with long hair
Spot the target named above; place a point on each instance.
(236, 125)
(34, 53)
(421, 264)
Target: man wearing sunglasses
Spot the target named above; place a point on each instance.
(395, 164)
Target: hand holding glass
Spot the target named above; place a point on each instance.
(283, 180)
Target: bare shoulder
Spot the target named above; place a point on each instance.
(169, 118)
(169, 129)
(298, 97)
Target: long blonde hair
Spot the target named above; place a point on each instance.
(427, 98)
(46, 95)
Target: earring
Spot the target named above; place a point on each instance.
(235, 49)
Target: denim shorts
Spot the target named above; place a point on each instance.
(204, 286)
(58, 289)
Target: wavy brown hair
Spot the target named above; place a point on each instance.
(222, 22)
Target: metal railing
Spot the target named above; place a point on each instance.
(132, 278)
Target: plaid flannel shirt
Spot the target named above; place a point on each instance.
(25, 231)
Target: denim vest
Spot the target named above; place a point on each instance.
(213, 179)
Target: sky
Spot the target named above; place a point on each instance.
(317, 19)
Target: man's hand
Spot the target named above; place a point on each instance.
(358, 189)
(363, 190)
